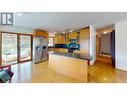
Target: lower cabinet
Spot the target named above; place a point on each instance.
(60, 50)
(72, 67)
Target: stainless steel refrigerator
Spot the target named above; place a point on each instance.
(41, 49)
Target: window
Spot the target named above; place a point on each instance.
(51, 41)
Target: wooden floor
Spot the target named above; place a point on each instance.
(38, 73)
(103, 72)
(100, 72)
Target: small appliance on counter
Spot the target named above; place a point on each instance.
(41, 49)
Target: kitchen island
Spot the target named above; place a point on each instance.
(73, 65)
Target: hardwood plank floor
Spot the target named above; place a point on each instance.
(103, 72)
(100, 72)
(38, 73)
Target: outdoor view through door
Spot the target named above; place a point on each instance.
(9, 48)
(25, 48)
(16, 48)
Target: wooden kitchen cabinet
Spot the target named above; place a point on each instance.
(60, 39)
(56, 39)
(72, 67)
(85, 41)
(65, 38)
(73, 35)
(60, 50)
(41, 33)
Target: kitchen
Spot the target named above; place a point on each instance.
(70, 54)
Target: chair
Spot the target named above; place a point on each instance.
(8, 68)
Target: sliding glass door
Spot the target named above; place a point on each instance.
(25, 48)
(9, 48)
(16, 48)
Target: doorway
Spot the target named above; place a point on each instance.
(16, 48)
(105, 47)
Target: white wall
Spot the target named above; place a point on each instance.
(93, 43)
(121, 45)
(105, 44)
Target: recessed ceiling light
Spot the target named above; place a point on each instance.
(19, 14)
(105, 32)
(71, 30)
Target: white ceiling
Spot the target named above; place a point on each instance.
(60, 21)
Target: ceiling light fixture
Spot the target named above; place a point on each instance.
(71, 30)
(105, 32)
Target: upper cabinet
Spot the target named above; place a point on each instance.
(55, 39)
(67, 41)
(59, 39)
(73, 35)
(81, 37)
(41, 33)
(67, 38)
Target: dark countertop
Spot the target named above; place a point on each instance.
(72, 55)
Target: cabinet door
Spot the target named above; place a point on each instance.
(84, 41)
(67, 39)
(55, 39)
(60, 39)
(63, 39)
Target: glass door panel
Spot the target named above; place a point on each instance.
(25, 48)
(9, 48)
